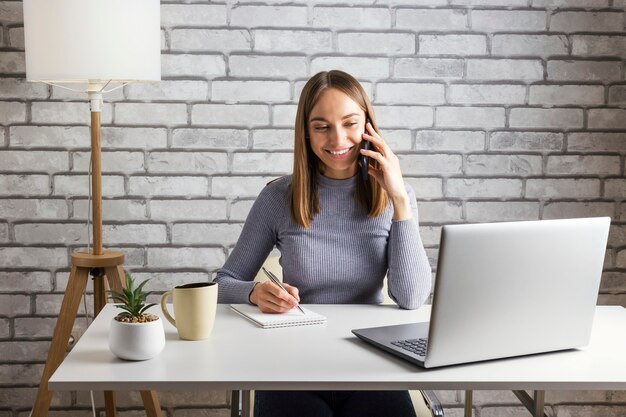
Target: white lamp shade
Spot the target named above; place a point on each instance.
(87, 41)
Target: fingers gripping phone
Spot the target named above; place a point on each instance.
(365, 160)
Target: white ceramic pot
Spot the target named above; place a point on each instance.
(136, 341)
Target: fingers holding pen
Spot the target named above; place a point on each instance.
(293, 291)
(270, 298)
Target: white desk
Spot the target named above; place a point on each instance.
(241, 356)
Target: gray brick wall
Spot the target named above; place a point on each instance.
(498, 110)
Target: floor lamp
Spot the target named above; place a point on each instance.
(93, 47)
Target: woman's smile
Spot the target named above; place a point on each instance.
(341, 153)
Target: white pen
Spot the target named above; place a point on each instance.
(275, 280)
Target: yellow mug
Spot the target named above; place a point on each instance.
(194, 309)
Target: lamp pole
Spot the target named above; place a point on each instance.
(95, 105)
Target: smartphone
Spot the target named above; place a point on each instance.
(365, 160)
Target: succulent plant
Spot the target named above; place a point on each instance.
(133, 301)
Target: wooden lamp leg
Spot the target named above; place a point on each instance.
(151, 403)
(109, 404)
(62, 331)
(116, 277)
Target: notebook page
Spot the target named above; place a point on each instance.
(291, 318)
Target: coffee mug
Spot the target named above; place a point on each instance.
(194, 309)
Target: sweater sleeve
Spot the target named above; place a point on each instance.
(409, 276)
(258, 237)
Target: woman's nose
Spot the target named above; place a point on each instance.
(339, 135)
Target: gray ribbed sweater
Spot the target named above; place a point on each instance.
(341, 259)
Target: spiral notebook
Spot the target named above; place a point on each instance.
(269, 321)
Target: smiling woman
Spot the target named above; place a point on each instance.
(331, 123)
(339, 234)
(334, 138)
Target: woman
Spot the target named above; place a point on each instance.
(338, 235)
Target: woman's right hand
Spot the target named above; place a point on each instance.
(270, 298)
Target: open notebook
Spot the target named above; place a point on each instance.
(267, 321)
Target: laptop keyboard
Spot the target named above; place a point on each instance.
(416, 346)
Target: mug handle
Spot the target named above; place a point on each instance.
(164, 308)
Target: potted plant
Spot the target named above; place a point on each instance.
(135, 335)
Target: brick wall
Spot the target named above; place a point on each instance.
(498, 109)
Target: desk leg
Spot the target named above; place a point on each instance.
(534, 405)
(151, 403)
(469, 399)
(234, 403)
(540, 399)
(245, 403)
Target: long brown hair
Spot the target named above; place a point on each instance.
(304, 198)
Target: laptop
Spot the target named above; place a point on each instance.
(504, 290)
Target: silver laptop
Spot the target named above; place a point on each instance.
(506, 289)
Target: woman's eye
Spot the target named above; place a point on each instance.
(320, 128)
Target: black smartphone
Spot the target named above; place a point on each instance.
(365, 160)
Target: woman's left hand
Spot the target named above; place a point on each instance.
(388, 173)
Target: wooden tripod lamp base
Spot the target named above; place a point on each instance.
(109, 265)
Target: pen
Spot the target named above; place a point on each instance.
(275, 280)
